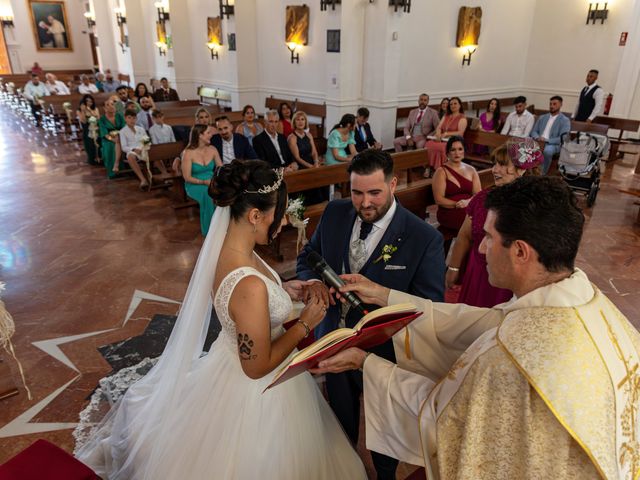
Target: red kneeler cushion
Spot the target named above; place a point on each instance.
(44, 461)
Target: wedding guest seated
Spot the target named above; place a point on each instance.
(144, 119)
(86, 87)
(36, 69)
(140, 91)
(160, 132)
(341, 144)
(124, 101)
(203, 117)
(100, 81)
(304, 152)
(421, 123)
(285, 112)
(517, 158)
(549, 129)
(520, 122)
(272, 147)
(199, 161)
(86, 111)
(33, 91)
(55, 86)
(231, 145)
(249, 126)
(454, 183)
(363, 136)
(109, 84)
(165, 93)
(490, 119)
(452, 124)
(110, 125)
(444, 105)
(131, 141)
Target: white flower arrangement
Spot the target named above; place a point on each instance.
(387, 252)
(66, 105)
(296, 208)
(295, 211)
(93, 119)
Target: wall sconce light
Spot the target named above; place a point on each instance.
(596, 13)
(213, 48)
(120, 17)
(163, 11)
(295, 57)
(325, 3)
(91, 19)
(470, 50)
(405, 5)
(162, 48)
(227, 8)
(7, 21)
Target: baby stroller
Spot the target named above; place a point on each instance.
(579, 162)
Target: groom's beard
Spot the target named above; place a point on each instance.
(372, 213)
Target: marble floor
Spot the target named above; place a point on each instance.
(88, 262)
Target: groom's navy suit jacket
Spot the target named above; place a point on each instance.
(416, 267)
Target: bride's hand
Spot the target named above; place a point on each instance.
(295, 289)
(313, 313)
(317, 289)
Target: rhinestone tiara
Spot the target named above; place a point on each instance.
(270, 188)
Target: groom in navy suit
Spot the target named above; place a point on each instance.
(352, 236)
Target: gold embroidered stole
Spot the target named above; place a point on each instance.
(582, 363)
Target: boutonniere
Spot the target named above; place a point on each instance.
(387, 251)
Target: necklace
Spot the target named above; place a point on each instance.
(240, 251)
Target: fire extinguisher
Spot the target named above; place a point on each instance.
(607, 104)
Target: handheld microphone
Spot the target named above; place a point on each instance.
(319, 264)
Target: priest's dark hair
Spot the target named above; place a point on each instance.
(370, 161)
(237, 185)
(543, 212)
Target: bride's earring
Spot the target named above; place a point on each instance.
(255, 228)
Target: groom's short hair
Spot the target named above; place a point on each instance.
(370, 161)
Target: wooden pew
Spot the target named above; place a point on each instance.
(589, 127)
(620, 124)
(487, 139)
(215, 94)
(177, 104)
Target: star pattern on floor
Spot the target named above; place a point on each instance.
(22, 424)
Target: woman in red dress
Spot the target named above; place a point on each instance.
(512, 160)
(454, 183)
(453, 123)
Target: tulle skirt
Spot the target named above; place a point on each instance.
(226, 428)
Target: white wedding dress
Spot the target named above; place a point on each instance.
(221, 426)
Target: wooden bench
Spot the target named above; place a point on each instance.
(622, 125)
(487, 139)
(217, 95)
(177, 104)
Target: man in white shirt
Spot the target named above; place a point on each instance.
(549, 129)
(519, 123)
(55, 86)
(591, 102)
(131, 142)
(33, 90)
(86, 87)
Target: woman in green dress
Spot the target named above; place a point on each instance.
(110, 125)
(88, 115)
(199, 160)
(341, 144)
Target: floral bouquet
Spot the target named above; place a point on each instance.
(11, 87)
(7, 329)
(66, 105)
(145, 146)
(295, 211)
(112, 135)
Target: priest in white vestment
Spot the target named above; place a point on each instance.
(545, 386)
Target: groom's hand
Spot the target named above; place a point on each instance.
(317, 289)
(349, 359)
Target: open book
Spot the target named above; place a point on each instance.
(372, 330)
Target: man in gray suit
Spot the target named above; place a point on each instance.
(549, 129)
(422, 121)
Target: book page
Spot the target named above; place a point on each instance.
(372, 316)
(329, 339)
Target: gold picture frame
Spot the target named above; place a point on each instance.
(469, 23)
(50, 25)
(214, 30)
(297, 24)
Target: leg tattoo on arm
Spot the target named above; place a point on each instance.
(245, 344)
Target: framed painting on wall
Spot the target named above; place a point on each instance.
(50, 25)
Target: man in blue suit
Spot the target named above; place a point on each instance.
(549, 129)
(351, 236)
(231, 145)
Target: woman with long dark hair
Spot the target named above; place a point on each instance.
(452, 124)
(341, 144)
(490, 119)
(199, 161)
(284, 126)
(209, 416)
(249, 127)
(89, 115)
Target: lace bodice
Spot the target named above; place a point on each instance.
(279, 301)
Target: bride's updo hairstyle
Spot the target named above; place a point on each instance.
(245, 184)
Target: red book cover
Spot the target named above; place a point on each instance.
(377, 330)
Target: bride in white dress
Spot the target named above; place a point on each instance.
(205, 417)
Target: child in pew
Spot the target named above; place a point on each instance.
(159, 132)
